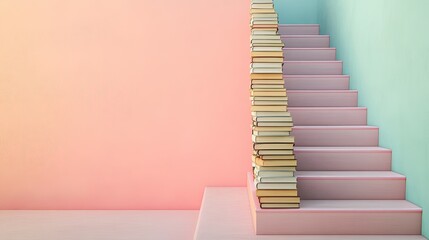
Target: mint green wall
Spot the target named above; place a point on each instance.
(385, 48)
(297, 11)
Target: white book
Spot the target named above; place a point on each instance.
(262, 1)
(259, 133)
(267, 49)
(260, 179)
(265, 37)
(266, 65)
(273, 186)
(264, 32)
(264, 15)
(271, 114)
(262, 5)
(266, 70)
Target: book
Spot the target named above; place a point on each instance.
(271, 129)
(266, 70)
(285, 169)
(269, 108)
(270, 114)
(266, 41)
(264, 32)
(267, 65)
(273, 139)
(275, 185)
(267, 49)
(267, 81)
(266, 54)
(270, 59)
(276, 193)
(272, 146)
(279, 205)
(269, 152)
(272, 76)
(265, 15)
(262, 5)
(267, 94)
(268, 86)
(258, 133)
(270, 90)
(273, 174)
(272, 124)
(262, 10)
(288, 163)
(279, 199)
(272, 119)
(277, 179)
(289, 156)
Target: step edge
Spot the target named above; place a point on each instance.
(328, 108)
(299, 25)
(315, 61)
(323, 91)
(345, 150)
(304, 36)
(315, 76)
(331, 49)
(351, 127)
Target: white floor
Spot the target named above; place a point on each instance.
(97, 225)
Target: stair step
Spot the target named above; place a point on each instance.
(306, 41)
(337, 216)
(322, 98)
(335, 136)
(316, 82)
(343, 158)
(226, 214)
(328, 116)
(313, 67)
(337, 185)
(301, 29)
(309, 54)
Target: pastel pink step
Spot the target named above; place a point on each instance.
(351, 185)
(306, 41)
(313, 67)
(309, 54)
(335, 136)
(343, 158)
(299, 29)
(225, 214)
(322, 98)
(361, 217)
(316, 82)
(328, 116)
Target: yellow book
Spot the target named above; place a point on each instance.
(283, 162)
(276, 193)
(268, 108)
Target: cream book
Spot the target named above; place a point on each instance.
(268, 108)
(275, 185)
(266, 41)
(265, 15)
(267, 94)
(259, 133)
(272, 146)
(289, 169)
(273, 139)
(273, 124)
(271, 114)
(262, 5)
(267, 49)
(274, 174)
(261, 179)
(279, 205)
(266, 70)
(264, 32)
(271, 76)
(262, 10)
(267, 86)
(276, 193)
(279, 157)
(266, 54)
(268, 81)
(265, 37)
(273, 119)
(291, 163)
(258, 103)
(267, 59)
(269, 98)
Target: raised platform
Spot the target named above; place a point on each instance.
(225, 214)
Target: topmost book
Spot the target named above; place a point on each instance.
(262, 5)
(262, 1)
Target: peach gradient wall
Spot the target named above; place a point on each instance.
(122, 104)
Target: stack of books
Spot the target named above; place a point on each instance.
(274, 162)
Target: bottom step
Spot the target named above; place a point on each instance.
(225, 214)
(337, 217)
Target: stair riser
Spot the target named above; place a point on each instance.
(313, 68)
(298, 30)
(340, 161)
(347, 223)
(340, 189)
(306, 41)
(337, 137)
(328, 117)
(316, 83)
(322, 99)
(294, 54)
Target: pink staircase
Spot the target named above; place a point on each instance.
(344, 178)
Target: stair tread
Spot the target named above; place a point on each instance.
(323, 91)
(316, 76)
(342, 149)
(349, 175)
(299, 25)
(313, 61)
(305, 35)
(354, 127)
(310, 48)
(326, 108)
